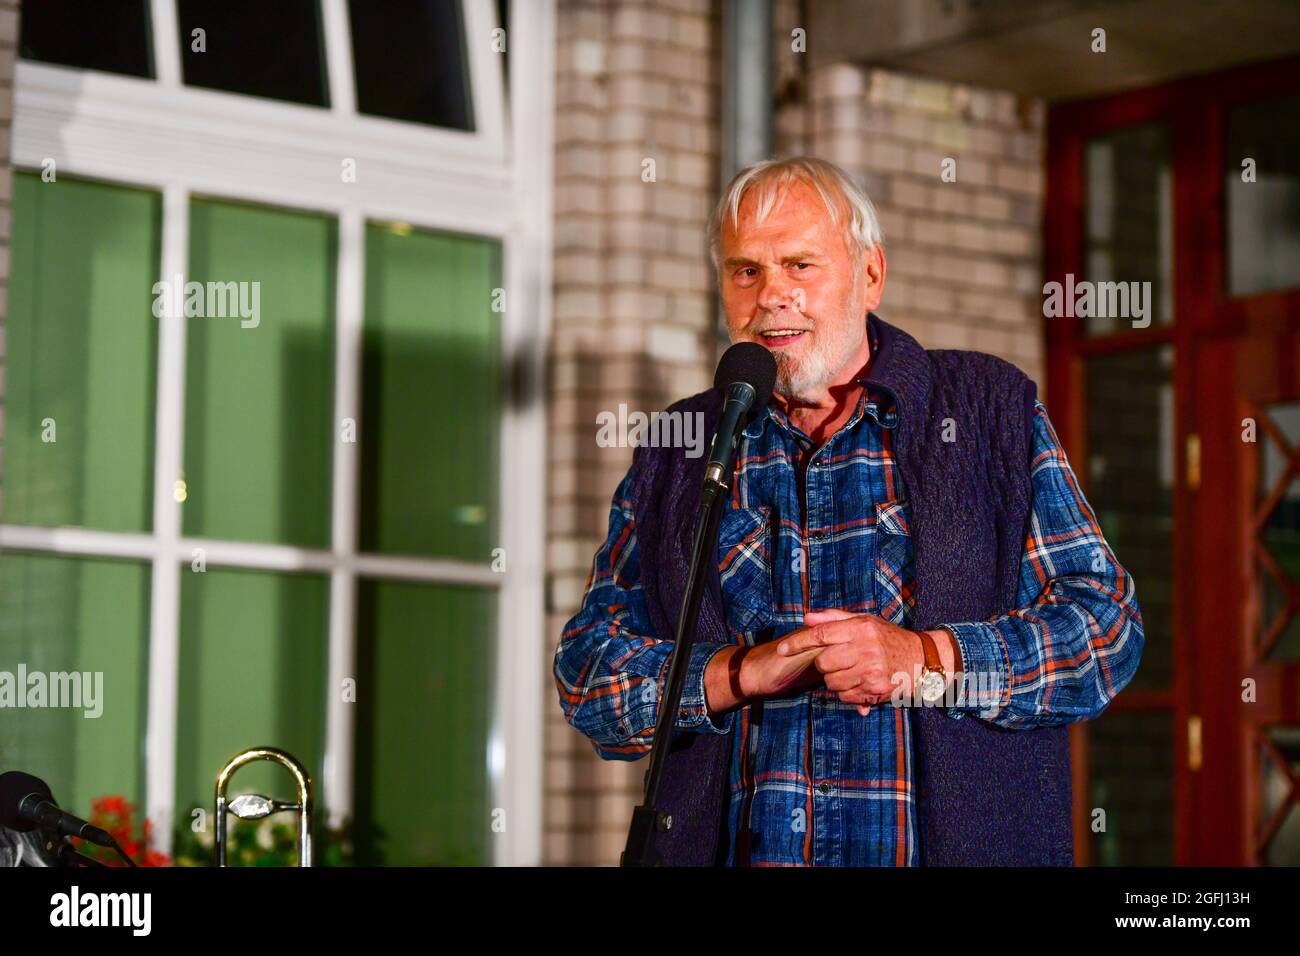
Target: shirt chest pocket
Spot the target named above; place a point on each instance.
(895, 567)
(745, 567)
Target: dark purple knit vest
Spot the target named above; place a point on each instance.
(986, 796)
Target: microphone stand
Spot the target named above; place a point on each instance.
(646, 819)
(69, 857)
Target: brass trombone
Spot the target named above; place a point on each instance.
(253, 806)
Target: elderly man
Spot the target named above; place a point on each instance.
(913, 597)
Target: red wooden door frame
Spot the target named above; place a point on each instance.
(1251, 371)
(1210, 816)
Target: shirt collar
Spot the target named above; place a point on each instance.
(875, 400)
(880, 401)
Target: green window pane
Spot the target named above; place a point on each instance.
(259, 389)
(253, 668)
(62, 615)
(82, 341)
(431, 394)
(424, 710)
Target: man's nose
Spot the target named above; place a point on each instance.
(775, 295)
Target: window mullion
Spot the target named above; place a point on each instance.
(340, 716)
(164, 627)
(166, 44)
(518, 744)
(338, 56)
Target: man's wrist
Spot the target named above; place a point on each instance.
(948, 648)
(951, 641)
(918, 655)
(721, 682)
(736, 671)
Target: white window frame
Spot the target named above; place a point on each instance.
(494, 182)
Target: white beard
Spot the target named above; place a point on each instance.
(806, 379)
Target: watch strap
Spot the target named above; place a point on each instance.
(933, 662)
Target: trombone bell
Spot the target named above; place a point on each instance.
(252, 806)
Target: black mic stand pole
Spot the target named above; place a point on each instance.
(70, 857)
(646, 819)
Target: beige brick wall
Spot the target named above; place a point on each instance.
(633, 318)
(8, 55)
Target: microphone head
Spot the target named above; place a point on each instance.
(751, 363)
(14, 786)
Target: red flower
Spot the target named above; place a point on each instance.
(115, 815)
(112, 805)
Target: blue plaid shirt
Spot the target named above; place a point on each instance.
(812, 782)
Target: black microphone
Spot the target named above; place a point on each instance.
(26, 803)
(747, 372)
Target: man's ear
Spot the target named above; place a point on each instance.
(873, 277)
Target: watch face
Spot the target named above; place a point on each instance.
(932, 684)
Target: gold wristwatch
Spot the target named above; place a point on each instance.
(933, 681)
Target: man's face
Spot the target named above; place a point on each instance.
(789, 284)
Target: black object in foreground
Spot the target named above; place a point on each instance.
(26, 804)
(747, 374)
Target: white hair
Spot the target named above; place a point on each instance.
(772, 179)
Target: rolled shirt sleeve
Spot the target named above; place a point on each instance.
(1075, 638)
(610, 671)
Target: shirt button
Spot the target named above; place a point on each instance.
(823, 788)
(816, 535)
